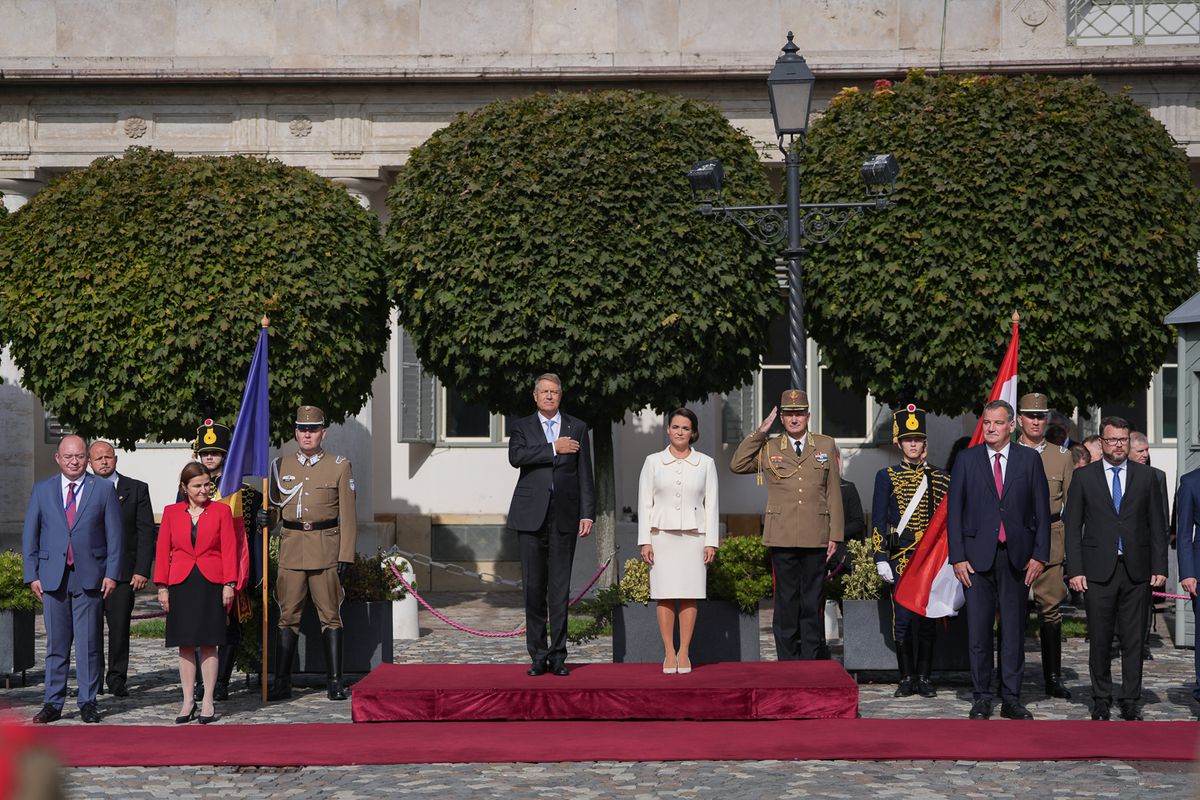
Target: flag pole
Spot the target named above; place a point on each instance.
(266, 560)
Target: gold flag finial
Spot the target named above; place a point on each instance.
(266, 321)
(1016, 318)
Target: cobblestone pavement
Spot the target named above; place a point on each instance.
(155, 699)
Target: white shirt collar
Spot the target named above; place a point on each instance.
(556, 419)
(793, 442)
(64, 482)
(693, 457)
(1003, 452)
(1110, 467)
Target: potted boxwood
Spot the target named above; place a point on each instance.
(727, 627)
(17, 609)
(867, 642)
(366, 617)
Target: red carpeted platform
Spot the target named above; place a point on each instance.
(541, 742)
(731, 691)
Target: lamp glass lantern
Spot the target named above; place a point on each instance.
(790, 86)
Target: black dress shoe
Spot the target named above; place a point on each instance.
(1014, 711)
(203, 720)
(48, 714)
(188, 717)
(1129, 711)
(118, 690)
(1100, 712)
(982, 709)
(89, 713)
(560, 669)
(535, 670)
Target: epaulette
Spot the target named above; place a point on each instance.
(338, 459)
(1062, 448)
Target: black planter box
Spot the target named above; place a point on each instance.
(867, 639)
(16, 642)
(722, 634)
(366, 639)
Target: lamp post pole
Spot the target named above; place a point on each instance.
(797, 337)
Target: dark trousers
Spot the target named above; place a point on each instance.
(799, 625)
(118, 608)
(1118, 604)
(1001, 588)
(906, 622)
(546, 556)
(73, 616)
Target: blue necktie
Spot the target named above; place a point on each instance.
(550, 439)
(1116, 493)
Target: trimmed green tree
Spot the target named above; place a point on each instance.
(135, 287)
(1033, 194)
(554, 233)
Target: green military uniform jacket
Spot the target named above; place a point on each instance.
(1059, 468)
(804, 494)
(314, 490)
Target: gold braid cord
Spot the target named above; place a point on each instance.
(905, 482)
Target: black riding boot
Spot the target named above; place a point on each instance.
(226, 655)
(285, 653)
(332, 638)
(1051, 636)
(905, 661)
(925, 669)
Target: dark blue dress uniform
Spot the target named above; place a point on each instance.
(895, 488)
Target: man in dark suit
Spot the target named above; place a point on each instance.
(137, 527)
(998, 529)
(1116, 551)
(553, 504)
(71, 546)
(1187, 506)
(1139, 451)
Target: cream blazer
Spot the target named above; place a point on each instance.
(678, 495)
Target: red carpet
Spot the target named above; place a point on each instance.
(459, 742)
(730, 691)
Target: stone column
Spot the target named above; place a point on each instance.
(21, 426)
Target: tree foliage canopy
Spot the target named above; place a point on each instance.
(135, 287)
(1032, 194)
(555, 232)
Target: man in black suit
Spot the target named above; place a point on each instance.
(137, 522)
(553, 504)
(1139, 451)
(998, 527)
(1116, 552)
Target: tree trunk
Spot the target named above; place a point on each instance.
(605, 529)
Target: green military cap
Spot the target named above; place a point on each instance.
(212, 436)
(1033, 403)
(309, 418)
(909, 422)
(793, 400)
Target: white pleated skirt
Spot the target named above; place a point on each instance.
(678, 572)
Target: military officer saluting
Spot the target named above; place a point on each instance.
(1049, 590)
(803, 522)
(314, 492)
(906, 496)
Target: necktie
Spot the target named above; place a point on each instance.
(999, 492)
(70, 511)
(799, 449)
(549, 430)
(1116, 492)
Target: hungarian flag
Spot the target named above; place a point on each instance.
(928, 586)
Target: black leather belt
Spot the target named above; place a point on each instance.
(1055, 517)
(310, 526)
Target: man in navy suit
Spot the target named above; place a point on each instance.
(1187, 507)
(552, 507)
(1116, 536)
(999, 536)
(71, 547)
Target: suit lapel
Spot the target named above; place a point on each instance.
(122, 490)
(989, 470)
(89, 488)
(55, 491)
(807, 450)
(1010, 468)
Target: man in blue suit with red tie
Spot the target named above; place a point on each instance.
(71, 547)
(998, 529)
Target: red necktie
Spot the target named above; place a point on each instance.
(70, 511)
(999, 493)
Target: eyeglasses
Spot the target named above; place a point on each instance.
(1113, 441)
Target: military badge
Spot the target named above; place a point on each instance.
(352, 484)
(821, 457)
(775, 459)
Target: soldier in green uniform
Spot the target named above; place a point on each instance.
(803, 522)
(1050, 589)
(906, 497)
(210, 448)
(314, 492)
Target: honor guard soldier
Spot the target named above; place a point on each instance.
(906, 497)
(1050, 589)
(803, 521)
(211, 448)
(314, 492)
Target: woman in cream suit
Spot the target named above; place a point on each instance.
(678, 531)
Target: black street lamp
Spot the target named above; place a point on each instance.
(790, 85)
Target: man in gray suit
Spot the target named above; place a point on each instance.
(71, 548)
(552, 508)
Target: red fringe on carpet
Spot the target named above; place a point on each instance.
(541, 741)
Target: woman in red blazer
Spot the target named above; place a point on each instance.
(196, 570)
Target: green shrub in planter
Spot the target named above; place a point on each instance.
(741, 573)
(862, 582)
(14, 594)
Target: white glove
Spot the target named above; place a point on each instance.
(885, 571)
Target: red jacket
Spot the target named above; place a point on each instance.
(215, 551)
